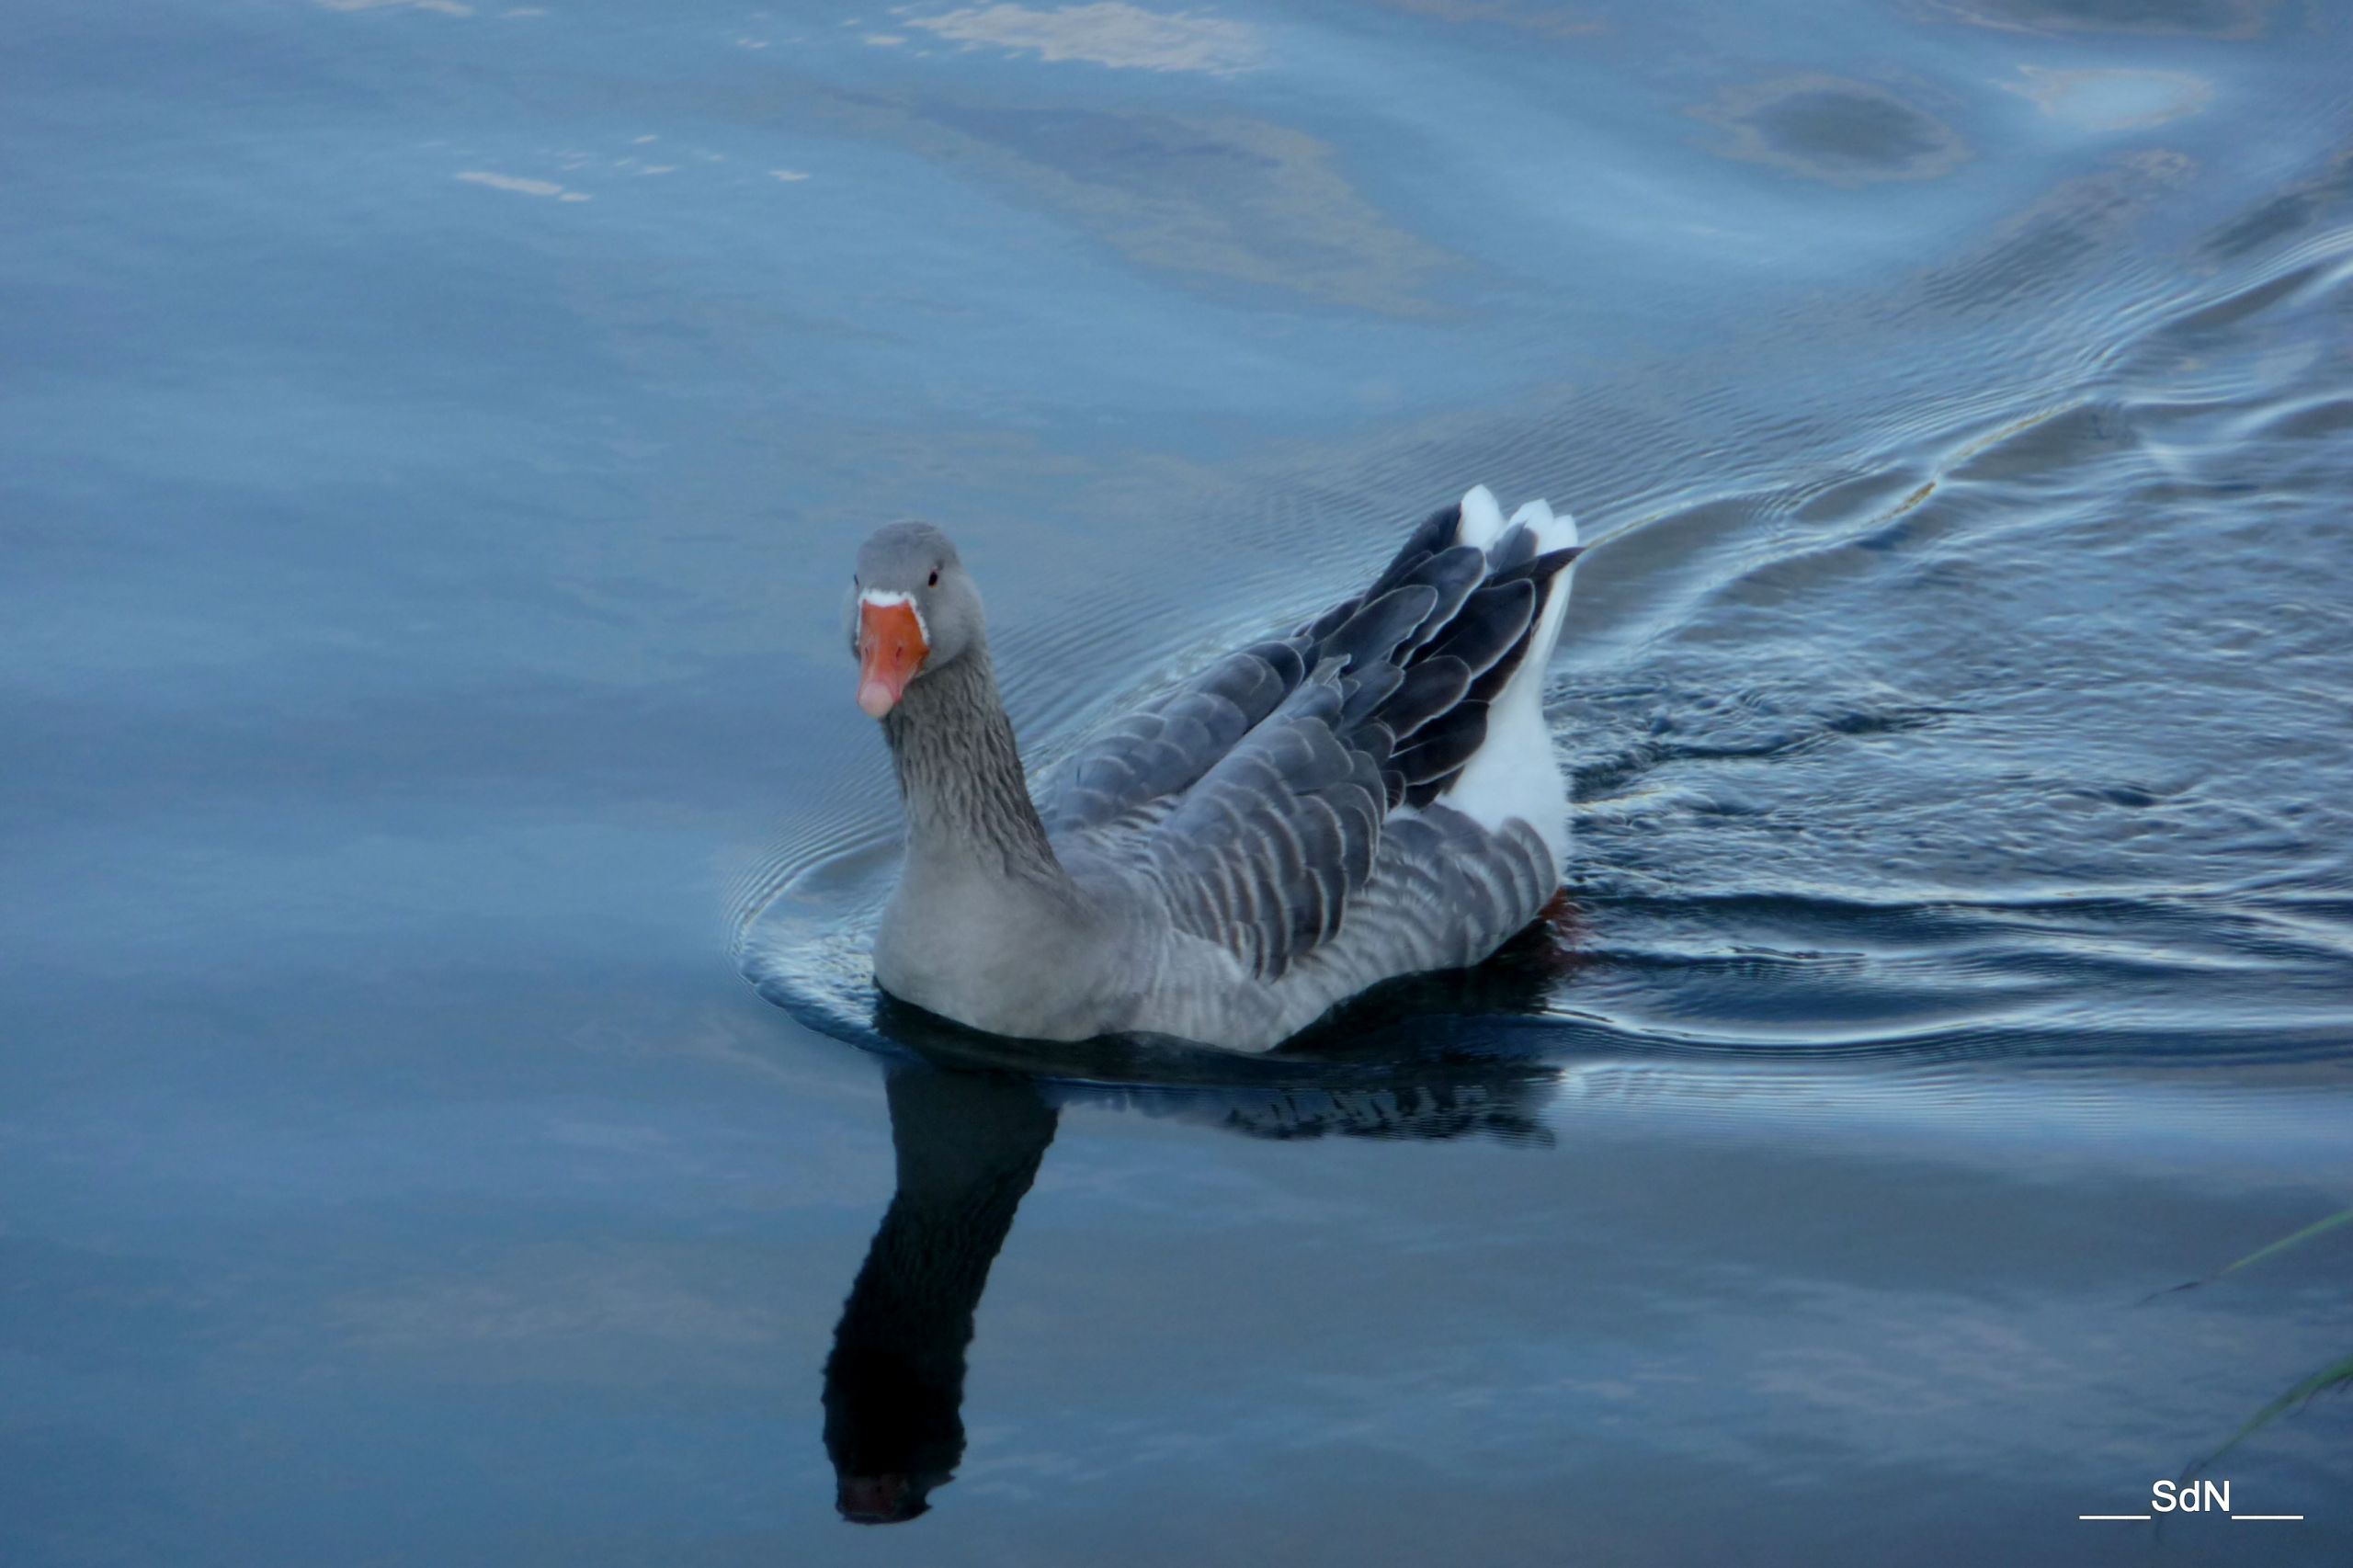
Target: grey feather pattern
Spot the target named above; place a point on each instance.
(1158, 751)
(1264, 798)
(1264, 853)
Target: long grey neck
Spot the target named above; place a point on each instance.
(960, 772)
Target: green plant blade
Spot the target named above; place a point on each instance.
(2296, 1238)
(2317, 1227)
(2337, 1376)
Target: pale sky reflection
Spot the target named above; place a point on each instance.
(1108, 32)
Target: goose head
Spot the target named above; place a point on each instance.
(912, 609)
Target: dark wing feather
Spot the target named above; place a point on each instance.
(1372, 635)
(1434, 535)
(1426, 690)
(1489, 626)
(1440, 750)
(1452, 574)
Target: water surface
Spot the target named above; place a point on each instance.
(436, 436)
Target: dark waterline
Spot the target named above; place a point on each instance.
(435, 438)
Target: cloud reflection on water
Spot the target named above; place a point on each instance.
(521, 186)
(1108, 32)
(2105, 99)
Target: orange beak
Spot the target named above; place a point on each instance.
(891, 649)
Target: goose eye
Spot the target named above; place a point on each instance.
(935, 576)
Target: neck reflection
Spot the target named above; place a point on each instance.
(968, 1146)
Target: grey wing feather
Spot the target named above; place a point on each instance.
(1157, 752)
(1264, 855)
(1257, 795)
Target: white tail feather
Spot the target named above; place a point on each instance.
(1551, 532)
(1513, 772)
(1483, 520)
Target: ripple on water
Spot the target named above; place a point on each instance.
(2195, 19)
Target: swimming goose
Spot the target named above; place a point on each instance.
(1373, 795)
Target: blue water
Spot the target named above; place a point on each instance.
(432, 440)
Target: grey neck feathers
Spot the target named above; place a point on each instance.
(960, 772)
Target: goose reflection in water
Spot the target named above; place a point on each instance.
(968, 1146)
(969, 1133)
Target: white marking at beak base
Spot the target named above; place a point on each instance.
(882, 599)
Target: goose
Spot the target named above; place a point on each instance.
(1373, 795)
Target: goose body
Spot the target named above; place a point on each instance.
(1372, 795)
